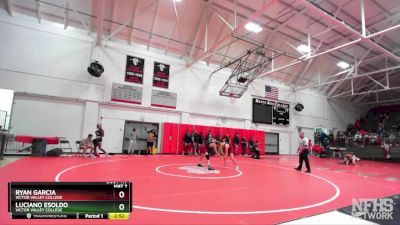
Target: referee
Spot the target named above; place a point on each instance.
(303, 153)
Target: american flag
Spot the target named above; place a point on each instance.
(271, 92)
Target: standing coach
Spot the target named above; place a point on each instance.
(303, 153)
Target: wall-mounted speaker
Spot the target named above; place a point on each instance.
(299, 107)
(95, 69)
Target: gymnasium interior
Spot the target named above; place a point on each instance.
(199, 112)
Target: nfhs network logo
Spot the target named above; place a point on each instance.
(378, 209)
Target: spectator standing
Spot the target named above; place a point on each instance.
(244, 146)
(236, 142)
(132, 141)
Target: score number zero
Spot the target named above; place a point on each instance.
(121, 206)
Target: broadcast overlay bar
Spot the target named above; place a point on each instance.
(70, 200)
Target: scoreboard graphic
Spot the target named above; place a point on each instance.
(271, 112)
(280, 114)
(70, 200)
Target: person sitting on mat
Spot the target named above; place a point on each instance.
(236, 142)
(210, 144)
(303, 153)
(244, 146)
(227, 151)
(86, 144)
(98, 141)
(187, 141)
(349, 158)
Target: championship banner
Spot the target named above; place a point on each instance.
(134, 69)
(161, 75)
(126, 93)
(163, 99)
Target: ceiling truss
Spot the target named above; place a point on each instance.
(369, 34)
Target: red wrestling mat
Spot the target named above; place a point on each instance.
(172, 190)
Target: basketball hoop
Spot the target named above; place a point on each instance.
(245, 70)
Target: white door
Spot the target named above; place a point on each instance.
(308, 133)
(113, 134)
(271, 143)
(284, 144)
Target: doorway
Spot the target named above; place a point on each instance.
(271, 143)
(141, 134)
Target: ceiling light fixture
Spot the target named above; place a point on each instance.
(253, 27)
(343, 65)
(304, 49)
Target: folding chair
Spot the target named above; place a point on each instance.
(65, 145)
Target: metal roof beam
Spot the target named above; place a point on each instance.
(169, 41)
(254, 16)
(132, 21)
(178, 24)
(338, 84)
(375, 85)
(295, 62)
(380, 37)
(352, 91)
(335, 48)
(218, 37)
(377, 102)
(9, 7)
(305, 69)
(100, 21)
(222, 18)
(135, 14)
(196, 36)
(365, 38)
(38, 11)
(353, 77)
(152, 24)
(66, 14)
(378, 90)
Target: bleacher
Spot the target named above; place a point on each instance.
(370, 148)
(371, 121)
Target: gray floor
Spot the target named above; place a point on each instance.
(9, 159)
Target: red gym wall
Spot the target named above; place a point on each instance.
(173, 136)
